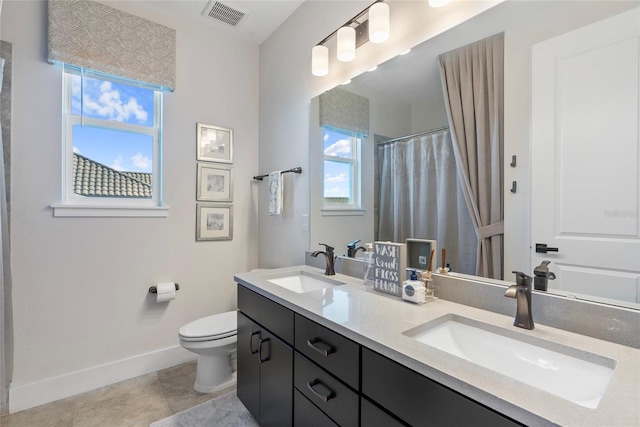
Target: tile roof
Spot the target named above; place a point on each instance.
(94, 179)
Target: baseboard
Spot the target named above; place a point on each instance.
(30, 395)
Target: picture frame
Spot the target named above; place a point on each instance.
(214, 143)
(214, 183)
(214, 221)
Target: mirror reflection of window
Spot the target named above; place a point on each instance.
(341, 169)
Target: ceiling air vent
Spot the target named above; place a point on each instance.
(223, 13)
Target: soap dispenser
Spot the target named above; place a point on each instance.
(413, 290)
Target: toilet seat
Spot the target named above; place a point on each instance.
(210, 328)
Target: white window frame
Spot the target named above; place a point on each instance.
(77, 205)
(354, 208)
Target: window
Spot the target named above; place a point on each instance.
(112, 146)
(341, 170)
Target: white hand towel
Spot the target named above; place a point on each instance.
(275, 193)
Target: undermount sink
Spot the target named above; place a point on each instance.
(569, 373)
(302, 281)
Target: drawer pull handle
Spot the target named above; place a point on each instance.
(327, 396)
(254, 333)
(324, 348)
(262, 341)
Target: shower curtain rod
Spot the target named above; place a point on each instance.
(414, 135)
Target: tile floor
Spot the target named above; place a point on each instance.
(133, 403)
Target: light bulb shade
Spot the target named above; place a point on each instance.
(346, 44)
(320, 60)
(379, 23)
(439, 3)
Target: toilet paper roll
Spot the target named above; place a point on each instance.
(166, 291)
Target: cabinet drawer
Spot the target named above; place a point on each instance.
(415, 398)
(335, 399)
(305, 414)
(332, 351)
(372, 416)
(267, 313)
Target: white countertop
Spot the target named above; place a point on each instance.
(377, 321)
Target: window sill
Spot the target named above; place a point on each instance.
(343, 212)
(110, 211)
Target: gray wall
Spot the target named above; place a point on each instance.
(81, 284)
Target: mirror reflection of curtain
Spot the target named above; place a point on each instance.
(6, 316)
(4, 271)
(473, 82)
(420, 197)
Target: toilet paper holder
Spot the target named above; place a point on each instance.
(154, 290)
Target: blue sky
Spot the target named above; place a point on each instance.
(336, 174)
(106, 100)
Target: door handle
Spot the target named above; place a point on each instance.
(324, 348)
(251, 342)
(324, 397)
(542, 248)
(262, 341)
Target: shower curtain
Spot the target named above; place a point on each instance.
(472, 82)
(420, 197)
(6, 315)
(4, 268)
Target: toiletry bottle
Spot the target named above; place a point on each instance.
(368, 270)
(428, 287)
(413, 289)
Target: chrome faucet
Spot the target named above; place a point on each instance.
(329, 270)
(352, 250)
(521, 291)
(542, 276)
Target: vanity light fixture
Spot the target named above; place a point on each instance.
(346, 44)
(379, 23)
(405, 52)
(375, 67)
(320, 60)
(372, 24)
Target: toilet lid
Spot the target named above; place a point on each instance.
(223, 324)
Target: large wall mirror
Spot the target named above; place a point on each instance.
(405, 98)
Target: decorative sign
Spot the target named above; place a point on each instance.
(390, 267)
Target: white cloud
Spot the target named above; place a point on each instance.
(326, 136)
(76, 150)
(117, 164)
(342, 146)
(109, 105)
(341, 177)
(141, 162)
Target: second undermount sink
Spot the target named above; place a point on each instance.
(572, 374)
(302, 281)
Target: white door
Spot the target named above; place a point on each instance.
(585, 157)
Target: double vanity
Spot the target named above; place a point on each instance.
(318, 350)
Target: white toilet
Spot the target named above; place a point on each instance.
(213, 338)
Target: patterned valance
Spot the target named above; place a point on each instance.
(343, 110)
(86, 34)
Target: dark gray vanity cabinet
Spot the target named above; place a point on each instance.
(265, 359)
(327, 371)
(417, 400)
(294, 371)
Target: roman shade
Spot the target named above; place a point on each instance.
(88, 35)
(345, 111)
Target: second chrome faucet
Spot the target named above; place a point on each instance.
(328, 254)
(521, 291)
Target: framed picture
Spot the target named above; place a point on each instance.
(214, 221)
(215, 183)
(215, 143)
